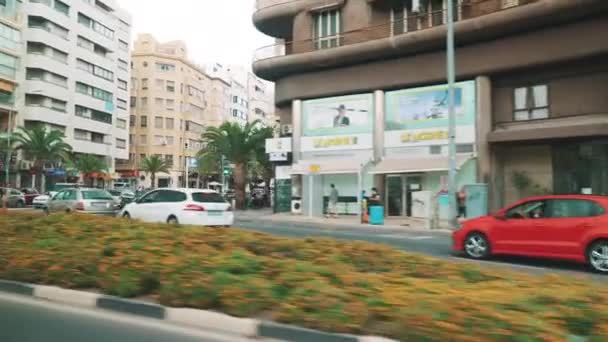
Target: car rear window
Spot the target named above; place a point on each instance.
(208, 197)
(96, 195)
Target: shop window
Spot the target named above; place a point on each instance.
(531, 103)
(436, 149)
(581, 168)
(465, 148)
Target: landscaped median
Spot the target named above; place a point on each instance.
(337, 286)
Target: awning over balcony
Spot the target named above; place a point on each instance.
(416, 165)
(329, 167)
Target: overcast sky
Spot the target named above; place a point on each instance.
(214, 30)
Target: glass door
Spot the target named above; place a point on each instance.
(414, 183)
(394, 194)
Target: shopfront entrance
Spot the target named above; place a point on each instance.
(399, 189)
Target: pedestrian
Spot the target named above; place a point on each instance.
(461, 199)
(374, 199)
(332, 208)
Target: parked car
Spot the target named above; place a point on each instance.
(181, 206)
(83, 200)
(126, 197)
(573, 227)
(16, 199)
(29, 194)
(116, 195)
(41, 201)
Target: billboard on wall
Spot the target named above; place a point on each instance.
(333, 116)
(419, 116)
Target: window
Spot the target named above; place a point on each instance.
(169, 123)
(47, 25)
(465, 148)
(122, 64)
(235, 99)
(121, 104)
(9, 37)
(143, 139)
(172, 196)
(143, 121)
(133, 102)
(93, 114)
(124, 46)
(95, 70)
(531, 103)
(170, 140)
(165, 67)
(171, 86)
(81, 135)
(144, 83)
(131, 142)
(122, 84)
(159, 102)
(46, 76)
(144, 102)
(94, 92)
(8, 65)
(93, 47)
(327, 28)
(533, 209)
(121, 143)
(169, 159)
(121, 123)
(235, 113)
(159, 140)
(62, 7)
(124, 26)
(95, 26)
(158, 122)
(170, 104)
(560, 208)
(132, 121)
(436, 149)
(204, 197)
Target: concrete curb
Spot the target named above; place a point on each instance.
(244, 327)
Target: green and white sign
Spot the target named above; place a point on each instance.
(333, 116)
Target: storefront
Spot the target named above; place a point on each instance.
(415, 155)
(336, 146)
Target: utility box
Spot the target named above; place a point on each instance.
(476, 200)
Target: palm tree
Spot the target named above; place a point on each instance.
(42, 147)
(89, 165)
(153, 165)
(238, 143)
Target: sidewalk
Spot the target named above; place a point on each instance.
(344, 221)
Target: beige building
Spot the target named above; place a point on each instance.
(172, 100)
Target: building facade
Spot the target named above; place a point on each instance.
(172, 101)
(361, 85)
(73, 75)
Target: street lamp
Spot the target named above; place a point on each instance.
(451, 71)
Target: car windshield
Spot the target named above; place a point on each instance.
(114, 192)
(96, 195)
(207, 197)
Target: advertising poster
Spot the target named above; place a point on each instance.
(427, 107)
(334, 116)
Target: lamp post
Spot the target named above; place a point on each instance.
(451, 75)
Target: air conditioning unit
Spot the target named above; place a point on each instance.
(286, 130)
(296, 207)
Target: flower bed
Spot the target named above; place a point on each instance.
(351, 287)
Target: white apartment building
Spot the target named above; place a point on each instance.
(75, 74)
(251, 98)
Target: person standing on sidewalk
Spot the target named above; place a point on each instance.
(332, 208)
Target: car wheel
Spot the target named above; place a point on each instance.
(20, 204)
(46, 211)
(597, 256)
(172, 220)
(477, 246)
(126, 216)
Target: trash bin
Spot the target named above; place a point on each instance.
(376, 215)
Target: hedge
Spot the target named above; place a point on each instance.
(350, 287)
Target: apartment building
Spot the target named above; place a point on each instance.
(361, 84)
(251, 98)
(71, 63)
(172, 101)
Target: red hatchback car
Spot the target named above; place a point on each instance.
(573, 227)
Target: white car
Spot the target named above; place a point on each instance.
(181, 206)
(40, 202)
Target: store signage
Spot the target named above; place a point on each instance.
(314, 169)
(332, 142)
(407, 137)
(337, 143)
(278, 145)
(278, 156)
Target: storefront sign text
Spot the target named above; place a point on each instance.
(408, 137)
(335, 142)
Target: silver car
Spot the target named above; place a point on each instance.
(83, 200)
(16, 199)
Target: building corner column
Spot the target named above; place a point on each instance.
(483, 128)
(379, 120)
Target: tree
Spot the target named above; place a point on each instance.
(88, 165)
(207, 164)
(238, 143)
(153, 165)
(42, 146)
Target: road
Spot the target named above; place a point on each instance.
(436, 244)
(24, 319)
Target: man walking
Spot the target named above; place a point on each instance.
(332, 208)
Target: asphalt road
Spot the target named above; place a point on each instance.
(430, 243)
(24, 319)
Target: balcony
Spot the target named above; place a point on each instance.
(275, 17)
